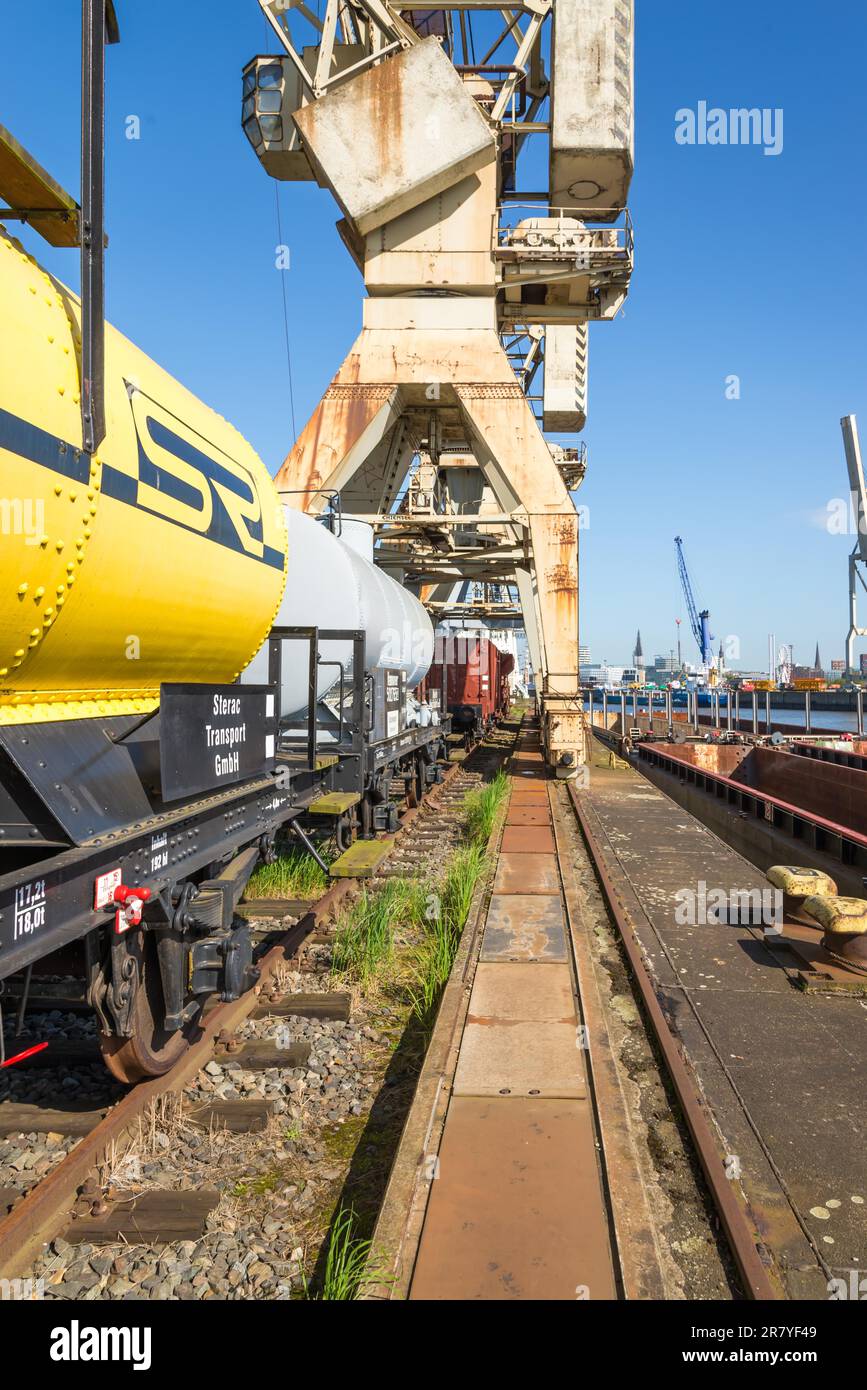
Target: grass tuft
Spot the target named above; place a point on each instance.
(463, 872)
(443, 927)
(294, 874)
(364, 939)
(432, 911)
(482, 807)
(348, 1270)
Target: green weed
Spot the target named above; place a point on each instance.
(348, 1270)
(482, 807)
(364, 939)
(433, 960)
(292, 875)
(463, 872)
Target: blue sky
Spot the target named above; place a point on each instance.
(747, 265)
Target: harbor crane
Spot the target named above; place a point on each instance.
(698, 621)
(858, 558)
(480, 282)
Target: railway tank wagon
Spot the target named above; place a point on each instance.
(395, 657)
(140, 780)
(161, 558)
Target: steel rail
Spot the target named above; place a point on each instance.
(42, 1211)
(742, 1238)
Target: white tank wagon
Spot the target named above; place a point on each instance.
(332, 583)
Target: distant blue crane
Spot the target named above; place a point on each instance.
(699, 622)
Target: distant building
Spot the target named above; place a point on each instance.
(864, 663)
(583, 656)
(591, 674)
(638, 653)
(661, 671)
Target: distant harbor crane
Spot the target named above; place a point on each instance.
(698, 621)
(858, 558)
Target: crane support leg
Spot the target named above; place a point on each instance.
(518, 467)
(854, 630)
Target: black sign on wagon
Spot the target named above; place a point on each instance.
(214, 735)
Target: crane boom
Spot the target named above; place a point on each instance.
(699, 622)
(855, 469)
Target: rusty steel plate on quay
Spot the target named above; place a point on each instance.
(528, 815)
(522, 991)
(527, 873)
(528, 839)
(516, 1211)
(525, 927)
(521, 798)
(519, 1057)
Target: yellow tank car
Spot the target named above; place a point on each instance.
(160, 558)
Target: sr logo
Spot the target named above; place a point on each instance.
(191, 482)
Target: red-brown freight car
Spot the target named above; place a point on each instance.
(469, 679)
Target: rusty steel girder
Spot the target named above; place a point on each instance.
(360, 441)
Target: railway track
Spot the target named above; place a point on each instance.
(78, 1204)
(531, 1164)
(599, 1204)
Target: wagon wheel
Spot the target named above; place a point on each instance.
(151, 1051)
(415, 784)
(343, 833)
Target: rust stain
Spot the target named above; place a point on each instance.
(387, 110)
(332, 430)
(560, 579)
